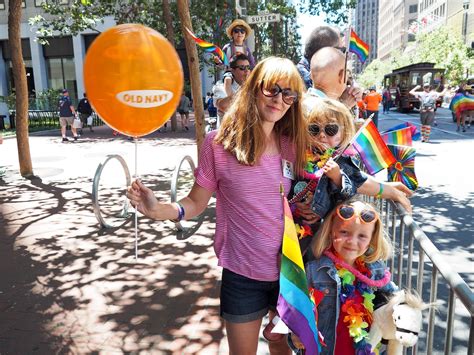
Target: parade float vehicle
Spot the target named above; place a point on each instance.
(402, 80)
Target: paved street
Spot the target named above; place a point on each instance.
(68, 286)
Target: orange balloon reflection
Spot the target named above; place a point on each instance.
(133, 79)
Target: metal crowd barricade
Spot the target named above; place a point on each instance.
(408, 238)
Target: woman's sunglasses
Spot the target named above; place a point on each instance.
(239, 30)
(289, 97)
(347, 212)
(330, 129)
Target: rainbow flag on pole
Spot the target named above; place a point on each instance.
(398, 137)
(358, 46)
(295, 307)
(209, 47)
(372, 149)
(404, 168)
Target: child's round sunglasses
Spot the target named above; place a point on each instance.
(239, 30)
(330, 129)
(347, 213)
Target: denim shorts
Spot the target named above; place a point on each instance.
(245, 300)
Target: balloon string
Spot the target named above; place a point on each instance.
(136, 209)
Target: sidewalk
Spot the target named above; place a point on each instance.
(67, 286)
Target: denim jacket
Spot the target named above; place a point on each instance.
(322, 275)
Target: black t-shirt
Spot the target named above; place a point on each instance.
(65, 107)
(84, 106)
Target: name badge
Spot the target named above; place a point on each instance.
(288, 169)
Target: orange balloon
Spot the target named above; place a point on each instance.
(133, 79)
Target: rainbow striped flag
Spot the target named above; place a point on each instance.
(358, 46)
(415, 135)
(372, 149)
(398, 137)
(461, 102)
(295, 307)
(209, 47)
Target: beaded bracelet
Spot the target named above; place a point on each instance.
(180, 213)
(379, 194)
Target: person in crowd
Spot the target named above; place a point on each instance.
(85, 111)
(320, 37)
(386, 100)
(262, 131)
(211, 108)
(372, 101)
(238, 31)
(239, 71)
(183, 110)
(331, 127)
(329, 77)
(427, 99)
(362, 107)
(461, 115)
(66, 115)
(206, 99)
(346, 268)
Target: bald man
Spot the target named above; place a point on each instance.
(327, 72)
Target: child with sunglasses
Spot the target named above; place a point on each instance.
(345, 267)
(325, 181)
(242, 164)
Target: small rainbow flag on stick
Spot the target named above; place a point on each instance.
(295, 307)
(209, 47)
(358, 46)
(398, 137)
(372, 149)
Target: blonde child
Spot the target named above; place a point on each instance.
(344, 270)
(331, 128)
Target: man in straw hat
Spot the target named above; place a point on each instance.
(238, 31)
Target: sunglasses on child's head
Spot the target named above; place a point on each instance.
(239, 30)
(347, 213)
(289, 97)
(330, 129)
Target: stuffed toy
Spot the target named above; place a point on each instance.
(398, 321)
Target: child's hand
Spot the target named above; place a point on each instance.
(296, 341)
(333, 172)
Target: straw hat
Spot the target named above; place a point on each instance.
(238, 23)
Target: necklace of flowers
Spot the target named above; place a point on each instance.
(357, 315)
(314, 162)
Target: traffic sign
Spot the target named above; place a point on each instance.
(256, 19)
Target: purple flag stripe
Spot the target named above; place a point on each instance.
(299, 326)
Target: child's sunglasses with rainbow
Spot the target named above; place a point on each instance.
(347, 213)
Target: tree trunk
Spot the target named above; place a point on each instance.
(21, 88)
(193, 63)
(170, 36)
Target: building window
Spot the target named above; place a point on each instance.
(59, 58)
(23, 5)
(413, 8)
(2, 4)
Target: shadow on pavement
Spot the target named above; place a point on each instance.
(69, 287)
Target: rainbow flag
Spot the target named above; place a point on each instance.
(404, 168)
(209, 47)
(398, 137)
(461, 102)
(358, 46)
(415, 135)
(295, 307)
(372, 149)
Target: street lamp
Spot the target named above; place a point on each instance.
(465, 6)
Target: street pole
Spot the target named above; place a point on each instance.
(274, 38)
(170, 37)
(194, 77)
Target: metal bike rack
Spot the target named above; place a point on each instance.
(184, 232)
(124, 214)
